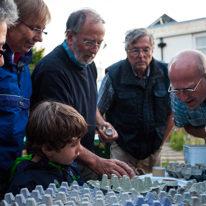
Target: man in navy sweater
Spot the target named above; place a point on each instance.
(68, 75)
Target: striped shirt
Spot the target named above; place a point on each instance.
(184, 115)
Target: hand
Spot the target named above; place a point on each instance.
(103, 137)
(113, 166)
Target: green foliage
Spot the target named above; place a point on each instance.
(167, 163)
(177, 140)
(180, 137)
(37, 55)
(190, 140)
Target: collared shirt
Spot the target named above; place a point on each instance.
(106, 92)
(71, 56)
(184, 115)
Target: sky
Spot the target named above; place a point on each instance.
(120, 16)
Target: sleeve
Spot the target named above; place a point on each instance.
(51, 86)
(180, 119)
(106, 94)
(20, 182)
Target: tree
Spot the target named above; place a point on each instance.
(37, 55)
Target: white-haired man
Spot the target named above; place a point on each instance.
(8, 16)
(68, 75)
(134, 97)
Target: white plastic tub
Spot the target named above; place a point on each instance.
(195, 154)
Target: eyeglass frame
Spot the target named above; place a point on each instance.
(34, 29)
(187, 91)
(140, 50)
(93, 44)
(2, 52)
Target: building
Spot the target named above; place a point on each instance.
(172, 36)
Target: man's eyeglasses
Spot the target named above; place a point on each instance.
(36, 31)
(186, 91)
(2, 52)
(91, 44)
(136, 52)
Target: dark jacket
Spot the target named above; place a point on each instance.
(15, 93)
(28, 174)
(139, 112)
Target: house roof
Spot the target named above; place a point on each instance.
(162, 20)
(165, 20)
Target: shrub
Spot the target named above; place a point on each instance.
(37, 55)
(180, 137)
(177, 139)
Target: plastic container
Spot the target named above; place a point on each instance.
(195, 154)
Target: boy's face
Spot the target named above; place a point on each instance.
(67, 154)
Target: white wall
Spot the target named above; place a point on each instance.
(179, 28)
(173, 45)
(178, 37)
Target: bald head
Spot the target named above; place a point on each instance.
(188, 61)
(187, 72)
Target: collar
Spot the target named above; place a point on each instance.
(61, 168)
(17, 161)
(128, 77)
(145, 76)
(57, 166)
(17, 57)
(71, 56)
(25, 58)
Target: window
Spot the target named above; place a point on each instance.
(200, 42)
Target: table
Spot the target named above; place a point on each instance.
(180, 181)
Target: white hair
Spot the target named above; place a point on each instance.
(8, 12)
(132, 36)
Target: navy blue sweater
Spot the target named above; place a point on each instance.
(57, 78)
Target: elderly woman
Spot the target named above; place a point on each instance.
(8, 16)
(15, 80)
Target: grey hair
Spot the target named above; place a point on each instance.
(131, 36)
(77, 19)
(8, 12)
